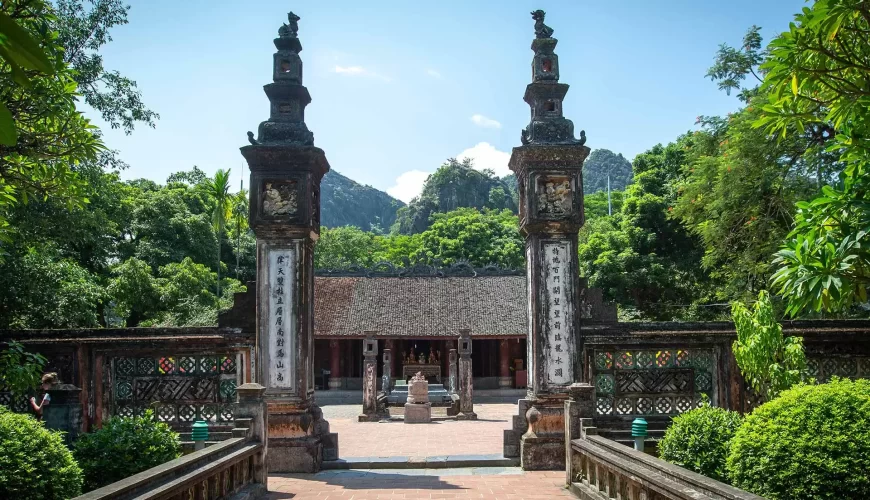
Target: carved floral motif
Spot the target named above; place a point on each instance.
(554, 197)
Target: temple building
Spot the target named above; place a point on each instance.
(419, 310)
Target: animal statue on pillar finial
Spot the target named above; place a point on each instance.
(291, 30)
(541, 29)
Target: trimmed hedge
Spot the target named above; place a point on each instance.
(813, 441)
(123, 447)
(34, 462)
(699, 439)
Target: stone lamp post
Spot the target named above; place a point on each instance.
(286, 169)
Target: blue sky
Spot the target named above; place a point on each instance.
(398, 87)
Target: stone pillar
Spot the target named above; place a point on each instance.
(369, 381)
(286, 170)
(549, 167)
(452, 373)
(387, 379)
(504, 364)
(335, 379)
(466, 383)
(579, 410)
(252, 407)
(64, 412)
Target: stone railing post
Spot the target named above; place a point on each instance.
(452, 382)
(387, 383)
(64, 412)
(370, 370)
(466, 383)
(579, 410)
(252, 405)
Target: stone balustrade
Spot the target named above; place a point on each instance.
(234, 468)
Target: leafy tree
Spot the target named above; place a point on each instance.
(454, 185)
(642, 257)
(477, 237)
(769, 361)
(733, 65)
(82, 32)
(341, 247)
(817, 84)
(20, 371)
(134, 291)
(595, 204)
(601, 164)
(218, 189)
(52, 136)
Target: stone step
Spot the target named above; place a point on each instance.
(433, 462)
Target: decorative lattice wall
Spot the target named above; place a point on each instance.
(652, 381)
(179, 389)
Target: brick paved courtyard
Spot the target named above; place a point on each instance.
(485, 482)
(449, 437)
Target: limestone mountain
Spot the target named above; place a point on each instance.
(602, 162)
(455, 184)
(346, 202)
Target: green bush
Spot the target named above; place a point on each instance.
(813, 441)
(123, 447)
(699, 439)
(34, 462)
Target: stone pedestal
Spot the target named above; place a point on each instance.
(286, 170)
(64, 412)
(418, 409)
(466, 381)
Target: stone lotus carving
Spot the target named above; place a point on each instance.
(554, 197)
(279, 199)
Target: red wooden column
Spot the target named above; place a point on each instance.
(504, 363)
(335, 380)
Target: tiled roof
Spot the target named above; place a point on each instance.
(420, 306)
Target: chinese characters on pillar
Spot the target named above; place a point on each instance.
(559, 324)
(282, 328)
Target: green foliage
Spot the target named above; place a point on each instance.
(342, 247)
(817, 83)
(595, 204)
(770, 362)
(454, 185)
(469, 235)
(218, 189)
(699, 439)
(602, 163)
(20, 371)
(733, 65)
(34, 462)
(125, 446)
(812, 442)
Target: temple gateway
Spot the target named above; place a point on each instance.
(419, 311)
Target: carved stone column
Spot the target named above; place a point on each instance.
(504, 364)
(466, 382)
(387, 379)
(286, 170)
(335, 376)
(369, 381)
(549, 172)
(452, 374)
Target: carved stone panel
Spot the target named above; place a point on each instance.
(279, 199)
(553, 196)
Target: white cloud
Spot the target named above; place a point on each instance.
(408, 185)
(485, 155)
(433, 73)
(482, 121)
(359, 71)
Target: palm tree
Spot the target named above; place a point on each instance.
(219, 189)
